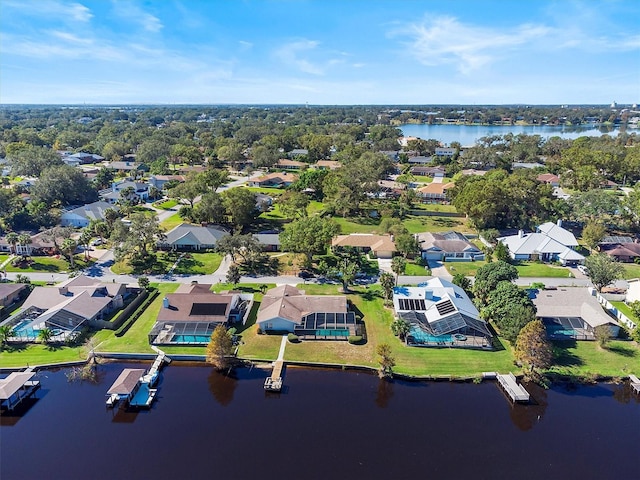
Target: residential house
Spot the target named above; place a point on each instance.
(191, 314)
(159, 181)
(435, 192)
(298, 152)
(624, 252)
(633, 291)
(571, 313)
(39, 245)
(65, 308)
(112, 195)
(287, 164)
(473, 171)
(81, 157)
(549, 179)
(419, 159)
(448, 246)
(428, 171)
(275, 179)
(558, 233)
(127, 166)
(380, 246)
(325, 317)
(440, 314)
(391, 155)
(541, 246)
(327, 165)
(192, 237)
(81, 216)
(270, 242)
(12, 292)
(445, 152)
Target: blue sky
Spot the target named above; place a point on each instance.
(320, 51)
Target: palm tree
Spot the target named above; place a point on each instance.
(101, 228)
(44, 335)
(68, 247)
(12, 240)
(84, 240)
(24, 239)
(6, 332)
(398, 265)
(401, 328)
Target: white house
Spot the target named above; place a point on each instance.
(448, 246)
(81, 216)
(633, 291)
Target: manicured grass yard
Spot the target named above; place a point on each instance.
(50, 264)
(36, 354)
(631, 270)
(414, 224)
(525, 269)
(624, 308)
(191, 264)
(587, 358)
(166, 205)
(3, 257)
(171, 222)
(415, 270)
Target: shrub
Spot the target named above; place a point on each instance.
(293, 338)
(232, 331)
(259, 330)
(355, 339)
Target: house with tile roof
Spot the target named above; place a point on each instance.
(435, 192)
(380, 246)
(275, 179)
(288, 309)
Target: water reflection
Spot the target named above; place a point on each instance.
(222, 386)
(9, 419)
(623, 393)
(525, 417)
(384, 393)
(124, 415)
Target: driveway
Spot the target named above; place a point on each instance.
(439, 270)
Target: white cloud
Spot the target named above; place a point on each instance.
(132, 12)
(50, 8)
(245, 45)
(445, 40)
(291, 54)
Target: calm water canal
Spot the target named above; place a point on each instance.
(325, 425)
(468, 134)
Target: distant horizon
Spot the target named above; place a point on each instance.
(177, 104)
(320, 52)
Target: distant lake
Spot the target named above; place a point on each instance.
(468, 134)
(327, 424)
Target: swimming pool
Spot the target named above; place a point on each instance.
(190, 339)
(421, 336)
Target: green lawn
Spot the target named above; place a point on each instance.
(166, 205)
(525, 269)
(415, 270)
(191, 264)
(272, 192)
(631, 270)
(136, 339)
(36, 354)
(50, 265)
(171, 222)
(414, 224)
(624, 308)
(3, 257)
(586, 359)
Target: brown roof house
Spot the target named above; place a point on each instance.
(12, 292)
(287, 309)
(190, 315)
(65, 308)
(381, 246)
(290, 164)
(275, 179)
(435, 192)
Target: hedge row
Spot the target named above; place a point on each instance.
(131, 320)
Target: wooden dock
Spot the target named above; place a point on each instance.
(635, 384)
(510, 385)
(16, 387)
(274, 382)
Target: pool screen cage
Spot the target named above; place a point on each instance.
(162, 332)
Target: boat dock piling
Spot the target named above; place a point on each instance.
(510, 385)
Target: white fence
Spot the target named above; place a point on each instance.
(616, 313)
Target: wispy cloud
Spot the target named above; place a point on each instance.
(445, 40)
(130, 11)
(50, 8)
(292, 53)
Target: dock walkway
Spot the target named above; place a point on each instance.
(274, 382)
(510, 385)
(635, 383)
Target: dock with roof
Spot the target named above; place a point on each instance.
(16, 387)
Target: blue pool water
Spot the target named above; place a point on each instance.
(191, 339)
(559, 331)
(423, 337)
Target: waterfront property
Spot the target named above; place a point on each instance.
(132, 387)
(190, 315)
(448, 246)
(440, 314)
(311, 317)
(66, 308)
(16, 387)
(571, 313)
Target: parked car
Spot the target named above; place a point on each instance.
(582, 269)
(96, 242)
(306, 274)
